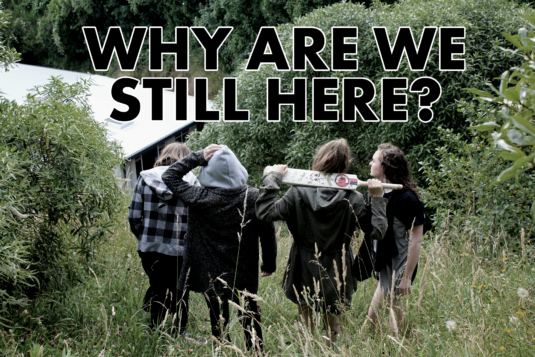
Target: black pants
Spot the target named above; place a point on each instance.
(215, 309)
(161, 296)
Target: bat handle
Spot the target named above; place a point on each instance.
(392, 186)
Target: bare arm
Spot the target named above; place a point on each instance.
(405, 286)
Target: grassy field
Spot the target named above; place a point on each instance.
(475, 294)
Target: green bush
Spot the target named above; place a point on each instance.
(460, 191)
(49, 32)
(512, 122)
(247, 16)
(59, 196)
(8, 56)
(259, 143)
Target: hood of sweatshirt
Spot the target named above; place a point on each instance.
(153, 179)
(322, 200)
(223, 170)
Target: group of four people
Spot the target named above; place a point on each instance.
(205, 235)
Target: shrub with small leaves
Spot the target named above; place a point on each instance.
(59, 196)
(512, 121)
(459, 190)
(8, 55)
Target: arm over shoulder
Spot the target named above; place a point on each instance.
(267, 208)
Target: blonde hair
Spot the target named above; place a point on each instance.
(334, 156)
(171, 154)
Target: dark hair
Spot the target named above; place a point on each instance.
(396, 167)
(171, 154)
(334, 156)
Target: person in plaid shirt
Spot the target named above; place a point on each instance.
(159, 220)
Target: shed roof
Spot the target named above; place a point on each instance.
(134, 136)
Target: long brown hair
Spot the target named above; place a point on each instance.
(334, 156)
(396, 167)
(171, 154)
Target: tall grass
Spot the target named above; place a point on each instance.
(464, 303)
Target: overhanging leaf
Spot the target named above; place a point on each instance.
(503, 144)
(516, 137)
(523, 124)
(523, 161)
(512, 39)
(504, 80)
(485, 126)
(504, 176)
(513, 156)
(479, 92)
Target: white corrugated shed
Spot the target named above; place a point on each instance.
(140, 134)
(136, 137)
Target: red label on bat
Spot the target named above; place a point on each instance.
(342, 181)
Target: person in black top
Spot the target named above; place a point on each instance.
(396, 256)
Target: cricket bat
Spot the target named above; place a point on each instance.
(339, 181)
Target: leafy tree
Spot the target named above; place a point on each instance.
(59, 196)
(512, 122)
(8, 56)
(460, 190)
(49, 32)
(259, 143)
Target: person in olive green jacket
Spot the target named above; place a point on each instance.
(322, 222)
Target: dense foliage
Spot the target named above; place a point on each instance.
(259, 143)
(59, 196)
(461, 193)
(49, 32)
(512, 120)
(8, 55)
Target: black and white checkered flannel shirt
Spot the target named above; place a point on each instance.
(160, 225)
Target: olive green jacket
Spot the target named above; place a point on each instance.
(322, 222)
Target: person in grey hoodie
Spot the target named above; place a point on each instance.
(221, 256)
(158, 219)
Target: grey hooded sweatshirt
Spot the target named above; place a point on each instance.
(223, 231)
(322, 222)
(158, 218)
(224, 170)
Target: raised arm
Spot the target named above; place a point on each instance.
(191, 195)
(267, 207)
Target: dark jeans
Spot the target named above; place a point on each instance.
(252, 315)
(161, 296)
